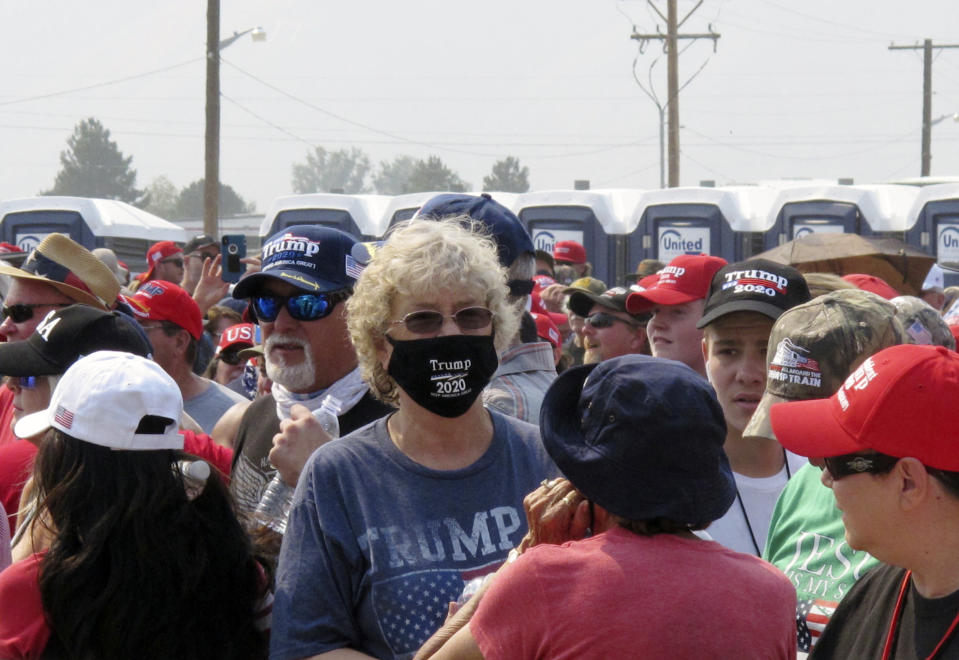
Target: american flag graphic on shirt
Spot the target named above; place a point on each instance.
(812, 615)
(411, 607)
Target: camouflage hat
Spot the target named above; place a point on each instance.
(922, 322)
(814, 347)
(590, 284)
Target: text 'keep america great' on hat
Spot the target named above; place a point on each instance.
(898, 402)
(313, 258)
(755, 285)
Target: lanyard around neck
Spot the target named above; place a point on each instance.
(894, 624)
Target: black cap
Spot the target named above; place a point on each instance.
(756, 285)
(197, 242)
(65, 335)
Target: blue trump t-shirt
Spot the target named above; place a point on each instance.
(377, 544)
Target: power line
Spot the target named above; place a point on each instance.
(102, 84)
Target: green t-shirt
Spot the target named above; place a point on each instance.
(807, 542)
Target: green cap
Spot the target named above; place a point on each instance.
(814, 347)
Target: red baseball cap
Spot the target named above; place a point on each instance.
(241, 334)
(546, 329)
(686, 278)
(898, 402)
(569, 252)
(157, 253)
(872, 284)
(159, 300)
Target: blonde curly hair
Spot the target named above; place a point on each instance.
(425, 259)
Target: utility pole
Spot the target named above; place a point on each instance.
(670, 42)
(926, 47)
(211, 178)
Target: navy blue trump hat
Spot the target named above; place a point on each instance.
(313, 258)
(642, 437)
(505, 228)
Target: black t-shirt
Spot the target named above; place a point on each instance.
(860, 624)
(251, 456)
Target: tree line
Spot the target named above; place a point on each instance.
(93, 166)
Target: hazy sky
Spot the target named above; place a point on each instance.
(794, 89)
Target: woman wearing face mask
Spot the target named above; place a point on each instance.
(389, 522)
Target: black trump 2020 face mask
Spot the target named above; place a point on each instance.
(443, 374)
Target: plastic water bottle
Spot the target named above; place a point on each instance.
(274, 507)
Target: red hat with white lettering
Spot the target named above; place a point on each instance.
(159, 300)
(242, 334)
(685, 279)
(547, 330)
(898, 402)
(569, 252)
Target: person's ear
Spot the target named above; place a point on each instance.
(912, 481)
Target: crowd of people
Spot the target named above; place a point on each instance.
(707, 459)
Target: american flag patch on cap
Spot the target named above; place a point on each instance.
(353, 268)
(63, 417)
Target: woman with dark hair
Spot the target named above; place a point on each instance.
(147, 558)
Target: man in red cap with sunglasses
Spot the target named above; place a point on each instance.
(888, 447)
(164, 262)
(298, 299)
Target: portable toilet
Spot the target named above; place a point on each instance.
(594, 218)
(863, 209)
(357, 215)
(934, 226)
(403, 207)
(92, 223)
(718, 221)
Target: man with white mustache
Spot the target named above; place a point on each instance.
(298, 299)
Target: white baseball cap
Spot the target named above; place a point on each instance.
(103, 398)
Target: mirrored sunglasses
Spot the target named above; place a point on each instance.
(24, 311)
(427, 322)
(27, 382)
(847, 464)
(601, 320)
(302, 306)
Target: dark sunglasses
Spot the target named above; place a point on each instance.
(302, 306)
(602, 320)
(24, 311)
(203, 255)
(427, 322)
(231, 358)
(178, 262)
(847, 464)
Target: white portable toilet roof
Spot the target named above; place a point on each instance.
(744, 207)
(884, 206)
(366, 210)
(104, 217)
(931, 193)
(606, 205)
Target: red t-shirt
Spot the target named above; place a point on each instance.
(621, 595)
(16, 464)
(23, 628)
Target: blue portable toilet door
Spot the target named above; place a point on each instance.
(676, 237)
(335, 218)
(801, 218)
(26, 229)
(547, 225)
